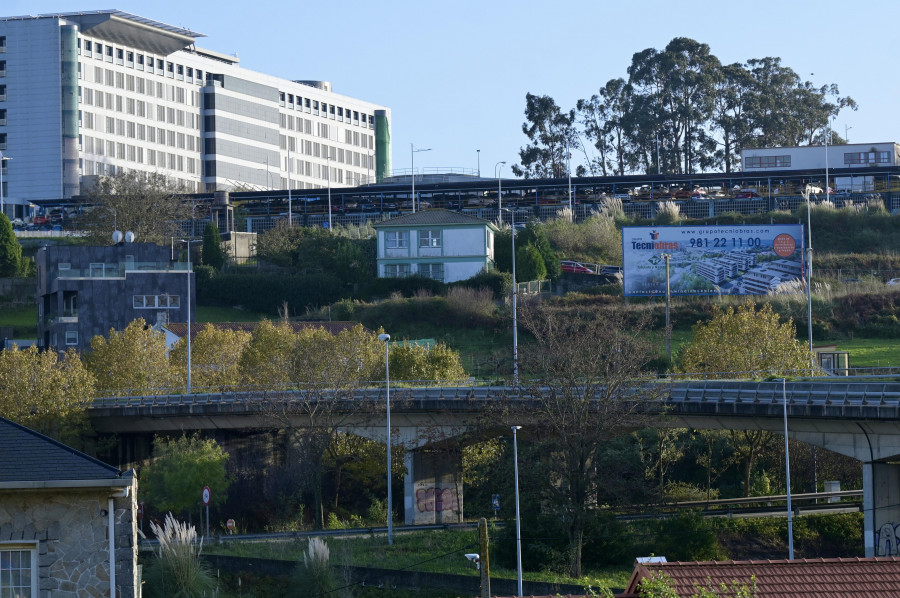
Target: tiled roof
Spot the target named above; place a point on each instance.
(178, 328)
(27, 456)
(432, 217)
(800, 578)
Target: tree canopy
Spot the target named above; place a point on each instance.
(10, 250)
(179, 470)
(745, 340)
(147, 204)
(679, 110)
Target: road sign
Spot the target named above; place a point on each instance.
(495, 501)
(229, 525)
(207, 495)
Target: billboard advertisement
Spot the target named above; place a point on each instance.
(711, 260)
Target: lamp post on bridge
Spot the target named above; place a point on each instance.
(385, 338)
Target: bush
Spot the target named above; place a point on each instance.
(178, 570)
(313, 575)
(687, 537)
(265, 293)
(500, 283)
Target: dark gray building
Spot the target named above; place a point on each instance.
(86, 291)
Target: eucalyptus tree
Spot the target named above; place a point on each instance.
(552, 133)
(677, 85)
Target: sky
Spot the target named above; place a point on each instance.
(455, 74)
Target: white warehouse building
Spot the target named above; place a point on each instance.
(854, 155)
(92, 93)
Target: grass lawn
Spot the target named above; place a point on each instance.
(431, 551)
(869, 352)
(208, 313)
(23, 319)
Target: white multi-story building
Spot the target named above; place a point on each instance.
(92, 93)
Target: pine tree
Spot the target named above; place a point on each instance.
(10, 250)
(213, 255)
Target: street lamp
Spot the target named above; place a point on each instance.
(518, 530)
(412, 159)
(515, 292)
(385, 338)
(497, 168)
(189, 270)
(2, 159)
(479, 162)
(787, 472)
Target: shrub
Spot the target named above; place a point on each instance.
(687, 537)
(178, 570)
(500, 283)
(471, 303)
(313, 576)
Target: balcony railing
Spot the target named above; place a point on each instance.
(120, 269)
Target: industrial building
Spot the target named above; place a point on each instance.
(87, 94)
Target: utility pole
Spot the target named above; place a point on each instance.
(484, 561)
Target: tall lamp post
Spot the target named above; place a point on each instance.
(189, 271)
(497, 168)
(518, 530)
(787, 472)
(412, 161)
(385, 338)
(2, 160)
(515, 292)
(479, 162)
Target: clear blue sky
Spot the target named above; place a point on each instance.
(455, 74)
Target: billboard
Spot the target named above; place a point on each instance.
(711, 260)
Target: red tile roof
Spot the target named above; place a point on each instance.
(178, 328)
(800, 578)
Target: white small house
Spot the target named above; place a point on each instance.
(440, 244)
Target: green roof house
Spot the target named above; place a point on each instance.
(440, 244)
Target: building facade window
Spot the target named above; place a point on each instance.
(396, 270)
(156, 301)
(867, 158)
(71, 337)
(433, 271)
(397, 239)
(429, 238)
(18, 570)
(767, 162)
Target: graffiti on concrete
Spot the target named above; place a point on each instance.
(436, 500)
(886, 540)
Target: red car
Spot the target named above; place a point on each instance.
(579, 268)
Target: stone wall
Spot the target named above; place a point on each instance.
(69, 529)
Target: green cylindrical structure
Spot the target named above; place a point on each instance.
(382, 145)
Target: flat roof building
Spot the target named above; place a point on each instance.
(87, 94)
(807, 157)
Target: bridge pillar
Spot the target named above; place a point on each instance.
(433, 486)
(881, 506)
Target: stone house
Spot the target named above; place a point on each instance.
(65, 518)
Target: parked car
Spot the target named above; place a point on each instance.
(577, 267)
(894, 281)
(611, 270)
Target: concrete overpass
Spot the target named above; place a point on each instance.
(857, 419)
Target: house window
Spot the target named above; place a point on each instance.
(71, 337)
(433, 271)
(767, 162)
(396, 270)
(429, 238)
(18, 571)
(397, 239)
(867, 158)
